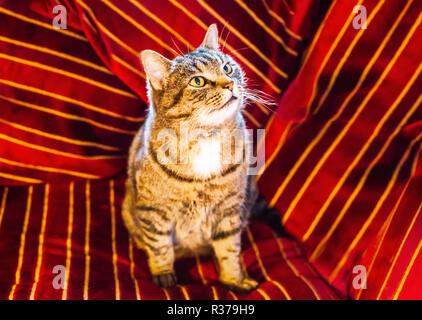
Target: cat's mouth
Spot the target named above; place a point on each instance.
(232, 99)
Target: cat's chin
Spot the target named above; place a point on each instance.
(222, 114)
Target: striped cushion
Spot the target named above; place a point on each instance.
(67, 116)
(74, 98)
(77, 225)
(393, 256)
(341, 149)
(350, 128)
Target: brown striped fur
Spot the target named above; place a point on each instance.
(197, 206)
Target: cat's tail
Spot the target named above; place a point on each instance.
(260, 212)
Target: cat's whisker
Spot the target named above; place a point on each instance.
(177, 47)
(227, 35)
(258, 92)
(224, 27)
(258, 96)
(253, 83)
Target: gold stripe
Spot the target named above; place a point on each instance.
(70, 100)
(22, 242)
(266, 28)
(261, 265)
(409, 267)
(334, 45)
(59, 138)
(198, 266)
(318, 33)
(386, 227)
(3, 203)
(128, 66)
(233, 295)
(398, 252)
(66, 115)
(57, 54)
(113, 240)
(359, 156)
(238, 55)
(138, 26)
(293, 268)
(42, 24)
(184, 291)
(40, 242)
(264, 294)
(321, 245)
(251, 118)
(204, 281)
(282, 22)
(87, 229)
(263, 109)
(311, 47)
(374, 211)
(351, 47)
(245, 40)
(275, 153)
(214, 293)
(93, 29)
(132, 269)
(298, 253)
(105, 30)
(166, 293)
(54, 151)
(69, 239)
(49, 169)
(19, 178)
(161, 23)
(289, 10)
(68, 74)
(345, 128)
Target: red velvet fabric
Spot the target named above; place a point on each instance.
(350, 123)
(342, 146)
(77, 225)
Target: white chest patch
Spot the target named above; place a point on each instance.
(207, 161)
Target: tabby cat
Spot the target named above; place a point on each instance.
(196, 205)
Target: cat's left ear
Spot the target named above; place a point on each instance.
(211, 38)
(156, 68)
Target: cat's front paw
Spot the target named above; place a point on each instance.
(244, 286)
(165, 280)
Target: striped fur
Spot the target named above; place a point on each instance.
(196, 204)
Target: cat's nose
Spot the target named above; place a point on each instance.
(228, 85)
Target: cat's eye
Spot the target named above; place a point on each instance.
(227, 68)
(197, 82)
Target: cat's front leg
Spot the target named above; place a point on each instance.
(226, 243)
(160, 261)
(156, 233)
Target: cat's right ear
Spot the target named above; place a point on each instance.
(156, 68)
(211, 38)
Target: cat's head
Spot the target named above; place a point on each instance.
(204, 86)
